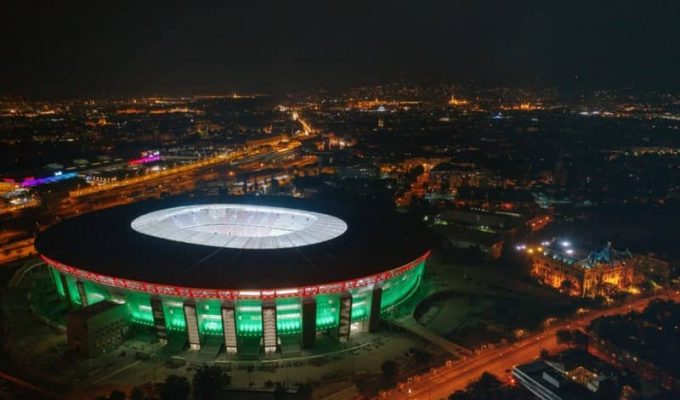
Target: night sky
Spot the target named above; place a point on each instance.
(69, 48)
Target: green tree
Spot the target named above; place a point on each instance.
(208, 382)
(305, 391)
(489, 387)
(486, 385)
(275, 186)
(564, 336)
(390, 369)
(417, 170)
(117, 395)
(422, 357)
(280, 392)
(137, 393)
(175, 388)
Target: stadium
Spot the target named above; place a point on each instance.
(256, 275)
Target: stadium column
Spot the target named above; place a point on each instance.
(229, 327)
(269, 326)
(81, 293)
(52, 272)
(192, 325)
(345, 323)
(374, 318)
(159, 319)
(308, 322)
(67, 290)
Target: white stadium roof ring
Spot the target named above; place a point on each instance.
(239, 226)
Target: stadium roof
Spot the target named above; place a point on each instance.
(375, 240)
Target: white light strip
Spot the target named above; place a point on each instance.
(284, 292)
(286, 307)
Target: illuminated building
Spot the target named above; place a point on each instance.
(446, 176)
(147, 157)
(457, 102)
(270, 140)
(505, 199)
(566, 268)
(261, 275)
(57, 177)
(573, 374)
(7, 187)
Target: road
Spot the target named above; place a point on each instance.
(16, 250)
(35, 391)
(173, 181)
(179, 179)
(440, 382)
(306, 128)
(416, 189)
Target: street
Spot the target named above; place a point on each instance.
(440, 382)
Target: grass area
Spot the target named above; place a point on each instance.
(487, 302)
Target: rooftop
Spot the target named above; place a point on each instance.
(302, 243)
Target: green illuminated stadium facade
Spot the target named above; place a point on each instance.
(293, 309)
(257, 278)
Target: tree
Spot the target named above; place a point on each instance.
(489, 387)
(422, 357)
(137, 393)
(390, 369)
(472, 255)
(208, 381)
(417, 170)
(305, 390)
(175, 388)
(485, 385)
(574, 337)
(275, 186)
(608, 389)
(280, 391)
(117, 395)
(564, 336)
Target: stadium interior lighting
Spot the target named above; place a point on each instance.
(238, 226)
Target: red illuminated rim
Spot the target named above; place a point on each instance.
(233, 294)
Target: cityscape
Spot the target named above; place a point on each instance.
(182, 217)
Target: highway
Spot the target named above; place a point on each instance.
(416, 189)
(35, 391)
(440, 382)
(173, 182)
(16, 250)
(306, 128)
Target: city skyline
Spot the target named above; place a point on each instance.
(94, 49)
